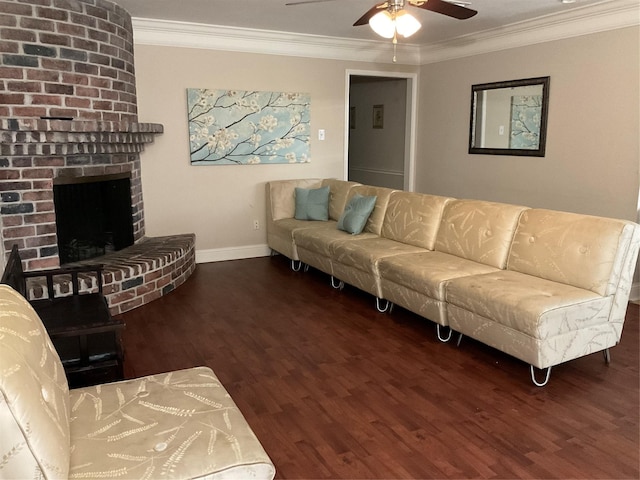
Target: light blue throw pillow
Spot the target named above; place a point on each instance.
(356, 214)
(312, 203)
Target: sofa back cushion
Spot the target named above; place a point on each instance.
(281, 196)
(382, 194)
(579, 250)
(478, 230)
(34, 396)
(338, 191)
(413, 218)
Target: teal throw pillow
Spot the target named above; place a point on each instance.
(312, 204)
(356, 214)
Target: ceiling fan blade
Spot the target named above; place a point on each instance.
(363, 20)
(445, 8)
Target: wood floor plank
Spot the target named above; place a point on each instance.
(334, 389)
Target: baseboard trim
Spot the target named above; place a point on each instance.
(635, 293)
(232, 253)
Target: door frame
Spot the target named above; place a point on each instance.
(411, 120)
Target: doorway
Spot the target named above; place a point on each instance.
(380, 129)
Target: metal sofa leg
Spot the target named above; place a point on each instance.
(339, 285)
(440, 337)
(607, 356)
(295, 265)
(546, 378)
(387, 306)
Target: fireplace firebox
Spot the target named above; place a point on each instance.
(93, 216)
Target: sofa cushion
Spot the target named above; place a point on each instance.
(280, 234)
(478, 230)
(413, 218)
(578, 250)
(180, 424)
(312, 203)
(367, 252)
(537, 307)
(34, 396)
(428, 272)
(319, 240)
(356, 214)
(356, 263)
(339, 190)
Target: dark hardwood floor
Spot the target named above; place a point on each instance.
(334, 389)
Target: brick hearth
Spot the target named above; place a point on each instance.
(135, 275)
(68, 108)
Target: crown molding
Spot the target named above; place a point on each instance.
(236, 39)
(601, 17)
(604, 16)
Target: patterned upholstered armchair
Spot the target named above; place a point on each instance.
(180, 424)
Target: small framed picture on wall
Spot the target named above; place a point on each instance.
(378, 116)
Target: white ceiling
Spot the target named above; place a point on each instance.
(334, 18)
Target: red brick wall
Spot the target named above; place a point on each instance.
(63, 58)
(66, 58)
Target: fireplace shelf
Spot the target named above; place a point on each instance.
(136, 275)
(32, 137)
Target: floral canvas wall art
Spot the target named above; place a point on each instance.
(526, 113)
(235, 127)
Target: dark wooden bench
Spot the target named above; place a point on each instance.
(86, 336)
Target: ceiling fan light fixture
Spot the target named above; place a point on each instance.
(382, 23)
(387, 24)
(406, 24)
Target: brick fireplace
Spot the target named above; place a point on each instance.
(68, 110)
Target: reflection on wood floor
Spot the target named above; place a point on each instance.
(334, 389)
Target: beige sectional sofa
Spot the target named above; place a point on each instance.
(544, 286)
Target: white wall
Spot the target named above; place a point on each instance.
(592, 163)
(220, 203)
(592, 155)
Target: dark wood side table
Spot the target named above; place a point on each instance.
(87, 338)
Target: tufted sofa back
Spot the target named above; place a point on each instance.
(414, 218)
(280, 195)
(478, 230)
(579, 250)
(34, 396)
(339, 190)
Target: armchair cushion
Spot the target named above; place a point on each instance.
(181, 424)
(34, 396)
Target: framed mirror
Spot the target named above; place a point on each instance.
(509, 118)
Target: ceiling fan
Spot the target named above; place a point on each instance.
(390, 19)
(454, 9)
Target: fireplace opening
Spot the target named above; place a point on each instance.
(93, 216)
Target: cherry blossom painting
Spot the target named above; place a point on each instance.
(235, 127)
(526, 114)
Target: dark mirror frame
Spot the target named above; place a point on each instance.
(540, 151)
